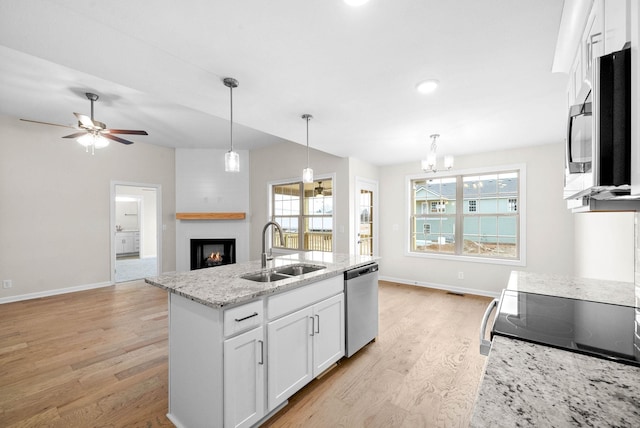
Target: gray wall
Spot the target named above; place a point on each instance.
(549, 225)
(55, 206)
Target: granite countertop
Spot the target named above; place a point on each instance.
(223, 286)
(526, 384)
(596, 290)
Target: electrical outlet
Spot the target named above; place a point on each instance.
(6, 283)
(460, 275)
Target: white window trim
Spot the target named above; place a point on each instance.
(522, 209)
(321, 177)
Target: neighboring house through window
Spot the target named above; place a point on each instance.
(489, 224)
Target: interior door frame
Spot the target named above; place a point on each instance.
(371, 185)
(112, 222)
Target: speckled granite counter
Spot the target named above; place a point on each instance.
(222, 286)
(533, 385)
(526, 384)
(596, 290)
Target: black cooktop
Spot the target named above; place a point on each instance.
(599, 329)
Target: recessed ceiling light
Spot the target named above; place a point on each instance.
(427, 86)
(356, 2)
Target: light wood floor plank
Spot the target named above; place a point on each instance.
(99, 358)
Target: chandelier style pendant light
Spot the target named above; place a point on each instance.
(429, 164)
(231, 158)
(307, 173)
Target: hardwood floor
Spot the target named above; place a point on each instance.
(95, 358)
(422, 371)
(98, 358)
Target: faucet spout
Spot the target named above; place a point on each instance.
(264, 238)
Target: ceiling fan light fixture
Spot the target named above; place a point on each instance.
(231, 158)
(307, 173)
(99, 142)
(427, 86)
(93, 133)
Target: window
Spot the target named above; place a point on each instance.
(305, 212)
(487, 227)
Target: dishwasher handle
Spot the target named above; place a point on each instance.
(363, 270)
(485, 345)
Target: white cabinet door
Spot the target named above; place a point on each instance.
(289, 355)
(328, 335)
(244, 383)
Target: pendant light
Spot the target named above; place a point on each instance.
(307, 173)
(429, 164)
(231, 158)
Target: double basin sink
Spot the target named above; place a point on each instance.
(283, 272)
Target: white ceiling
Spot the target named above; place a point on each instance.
(158, 66)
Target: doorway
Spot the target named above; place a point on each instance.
(366, 221)
(135, 232)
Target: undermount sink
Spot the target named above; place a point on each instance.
(265, 276)
(298, 269)
(284, 272)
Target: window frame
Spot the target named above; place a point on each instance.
(301, 216)
(521, 211)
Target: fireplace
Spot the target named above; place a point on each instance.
(212, 252)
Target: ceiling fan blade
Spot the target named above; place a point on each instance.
(114, 138)
(47, 123)
(125, 131)
(85, 120)
(76, 135)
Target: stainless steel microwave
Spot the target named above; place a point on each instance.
(598, 145)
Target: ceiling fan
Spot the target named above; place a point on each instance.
(93, 133)
(319, 190)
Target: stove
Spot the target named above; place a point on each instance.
(593, 328)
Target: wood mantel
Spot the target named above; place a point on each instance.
(210, 216)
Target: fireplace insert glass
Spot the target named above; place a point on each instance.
(212, 252)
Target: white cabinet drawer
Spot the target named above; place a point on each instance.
(290, 301)
(243, 317)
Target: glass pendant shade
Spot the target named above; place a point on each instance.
(231, 158)
(448, 162)
(231, 161)
(431, 160)
(307, 175)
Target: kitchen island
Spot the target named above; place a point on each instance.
(239, 348)
(527, 384)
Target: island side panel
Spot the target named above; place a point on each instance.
(195, 363)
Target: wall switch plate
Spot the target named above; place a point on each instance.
(6, 283)
(460, 275)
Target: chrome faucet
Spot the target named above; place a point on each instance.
(264, 236)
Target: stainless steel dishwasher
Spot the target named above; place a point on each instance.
(361, 297)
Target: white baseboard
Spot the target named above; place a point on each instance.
(445, 287)
(48, 293)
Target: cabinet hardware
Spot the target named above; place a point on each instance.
(313, 326)
(255, 314)
(261, 352)
(318, 326)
